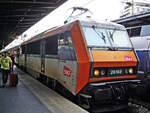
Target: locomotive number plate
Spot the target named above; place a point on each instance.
(115, 71)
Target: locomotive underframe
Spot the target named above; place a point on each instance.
(113, 95)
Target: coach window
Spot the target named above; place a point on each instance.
(145, 30)
(33, 47)
(51, 45)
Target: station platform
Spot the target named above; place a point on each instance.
(30, 96)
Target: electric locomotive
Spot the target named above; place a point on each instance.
(92, 60)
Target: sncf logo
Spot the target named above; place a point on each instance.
(128, 58)
(67, 71)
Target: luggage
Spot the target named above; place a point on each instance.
(13, 79)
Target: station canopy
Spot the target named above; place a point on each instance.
(135, 20)
(16, 16)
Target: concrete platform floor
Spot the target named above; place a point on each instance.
(30, 96)
(20, 100)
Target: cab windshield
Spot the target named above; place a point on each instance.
(119, 38)
(106, 38)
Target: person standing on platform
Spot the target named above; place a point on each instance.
(6, 64)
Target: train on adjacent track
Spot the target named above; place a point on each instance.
(90, 60)
(140, 38)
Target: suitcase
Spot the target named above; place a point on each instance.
(13, 81)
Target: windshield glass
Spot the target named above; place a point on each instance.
(100, 37)
(119, 38)
(96, 37)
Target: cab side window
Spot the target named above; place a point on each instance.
(65, 47)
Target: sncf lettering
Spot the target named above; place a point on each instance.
(67, 71)
(128, 58)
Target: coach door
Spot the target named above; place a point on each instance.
(42, 54)
(25, 58)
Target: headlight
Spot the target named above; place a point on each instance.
(130, 70)
(96, 72)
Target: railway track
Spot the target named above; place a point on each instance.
(135, 106)
(138, 106)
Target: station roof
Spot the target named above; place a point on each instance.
(16, 16)
(135, 20)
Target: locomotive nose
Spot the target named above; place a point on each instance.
(113, 58)
(113, 65)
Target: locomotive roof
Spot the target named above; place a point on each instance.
(101, 24)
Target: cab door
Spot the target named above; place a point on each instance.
(25, 59)
(67, 61)
(42, 55)
(61, 57)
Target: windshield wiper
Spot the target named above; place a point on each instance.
(101, 35)
(111, 34)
